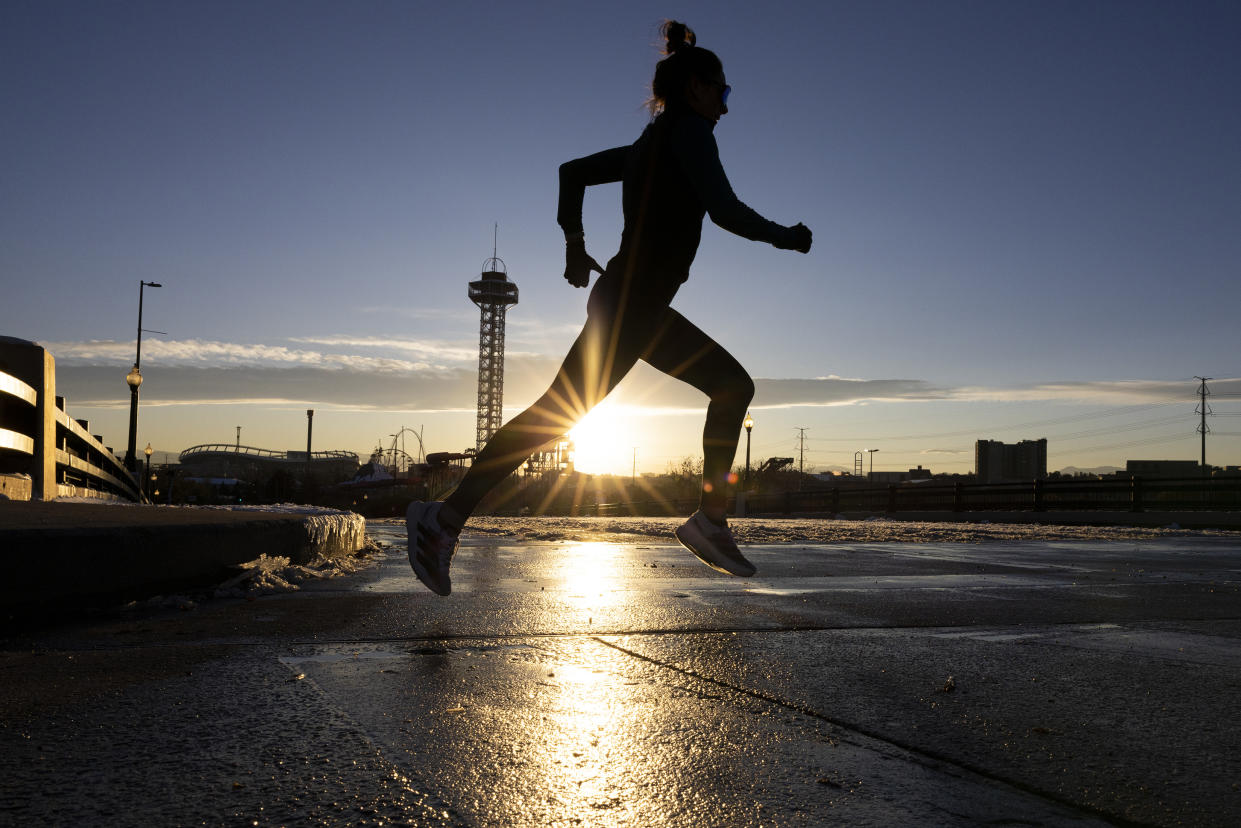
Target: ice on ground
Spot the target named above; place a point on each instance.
(343, 530)
(272, 574)
(813, 530)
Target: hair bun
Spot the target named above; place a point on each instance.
(677, 35)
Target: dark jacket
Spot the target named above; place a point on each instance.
(671, 177)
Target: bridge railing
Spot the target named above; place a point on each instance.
(41, 443)
(1137, 494)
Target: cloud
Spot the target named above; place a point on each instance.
(441, 376)
(1110, 392)
(452, 315)
(779, 393)
(426, 348)
(181, 385)
(820, 391)
(205, 353)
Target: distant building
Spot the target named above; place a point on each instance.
(233, 460)
(996, 462)
(887, 477)
(1163, 468)
(844, 478)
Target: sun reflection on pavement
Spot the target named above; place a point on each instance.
(592, 576)
(591, 726)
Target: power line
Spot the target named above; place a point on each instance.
(1203, 409)
(1117, 412)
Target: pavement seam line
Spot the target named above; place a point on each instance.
(12, 644)
(869, 733)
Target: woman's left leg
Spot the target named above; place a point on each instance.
(682, 350)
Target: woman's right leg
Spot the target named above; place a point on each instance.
(596, 362)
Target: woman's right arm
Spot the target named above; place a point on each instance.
(575, 176)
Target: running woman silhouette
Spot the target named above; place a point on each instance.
(671, 177)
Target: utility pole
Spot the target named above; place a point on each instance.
(310, 421)
(801, 450)
(1203, 410)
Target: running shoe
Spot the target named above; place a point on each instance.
(431, 547)
(713, 545)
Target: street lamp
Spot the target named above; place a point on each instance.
(146, 482)
(749, 424)
(133, 380)
(871, 452)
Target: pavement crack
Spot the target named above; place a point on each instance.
(922, 753)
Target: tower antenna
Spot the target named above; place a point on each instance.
(493, 293)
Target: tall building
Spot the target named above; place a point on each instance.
(493, 293)
(996, 462)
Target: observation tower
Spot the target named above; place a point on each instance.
(493, 293)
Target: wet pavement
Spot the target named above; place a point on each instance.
(618, 682)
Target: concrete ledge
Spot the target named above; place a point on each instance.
(15, 487)
(84, 554)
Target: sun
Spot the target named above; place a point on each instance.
(604, 441)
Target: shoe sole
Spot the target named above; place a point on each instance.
(713, 564)
(413, 515)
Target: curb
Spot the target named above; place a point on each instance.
(83, 555)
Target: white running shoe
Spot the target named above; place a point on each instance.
(431, 547)
(713, 545)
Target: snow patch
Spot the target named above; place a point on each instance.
(812, 530)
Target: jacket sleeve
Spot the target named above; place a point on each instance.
(575, 176)
(700, 158)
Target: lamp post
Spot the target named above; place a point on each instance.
(749, 424)
(871, 452)
(146, 480)
(310, 421)
(134, 379)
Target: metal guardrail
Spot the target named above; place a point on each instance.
(40, 440)
(1135, 494)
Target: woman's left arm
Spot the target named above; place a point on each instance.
(700, 158)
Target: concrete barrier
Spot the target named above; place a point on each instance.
(55, 453)
(58, 554)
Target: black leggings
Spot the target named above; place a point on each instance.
(610, 344)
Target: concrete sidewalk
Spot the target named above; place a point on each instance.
(58, 554)
(613, 683)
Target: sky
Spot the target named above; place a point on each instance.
(1026, 216)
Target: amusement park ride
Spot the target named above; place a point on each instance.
(392, 471)
(394, 459)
